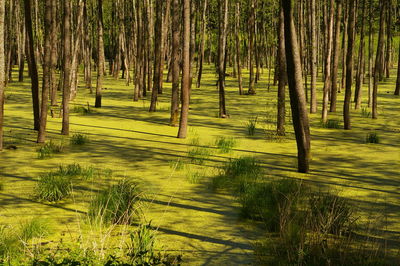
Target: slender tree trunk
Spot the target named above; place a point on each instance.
(239, 66)
(185, 95)
(397, 90)
(313, 63)
(370, 54)
(202, 43)
(164, 43)
(360, 69)
(282, 76)
(328, 81)
(175, 63)
(223, 24)
(100, 54)
(251, 46)
(378, 61)
(336, 53)
(53, 87)
(67, 67)
(297, 97)
(344, 42)
(46, 69)
(157, 55)
(388, 38)
(2, 70)
(32, 64)
(349, 65)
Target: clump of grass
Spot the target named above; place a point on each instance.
(331, 123)
(330, 214)
(365, 112)
(372, 137)
(53, 187)
(198, 154)
(224, 144)
(177, 165)
(141, 246)
(76, 170)
(194, 177)
(251, 126)
(82, 110)
(9, 244)
(33, 228)
(50, 148)
(118, 204)
(79, 139)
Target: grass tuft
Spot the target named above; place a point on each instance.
(53, 187)
(79, 139)
(365, 112)
(372, 137)
(225, 145)
(50, 148)
(251, 126)
(331, 123)
(118, 204)
(33, 228)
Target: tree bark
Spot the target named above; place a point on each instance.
(361, 60)
(282, 76)
(185, 95)
(336, 53)
(100, 54)
(251, 46)
(202, 43)
(397, 90)
(297, 97)
(2, 70)
(239, 66)
(175, 63)
(223, 24)
(32, 64)
(157, 56)
(349, 65)
(313, 63)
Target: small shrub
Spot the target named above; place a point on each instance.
(33, 228)
(53, 187)
(372, 138)
(118, 204)
(79, 139)
(49, 148)
(141, 245)
(225, 145)
(330, 214)
(251, 126)
(331, 123)
(365, 112)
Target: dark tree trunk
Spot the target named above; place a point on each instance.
(251, 46)
(297, 97)
(32, 64)
(67, 68)
(397, 90)
(361, 56)
(223, 23)
(185, 95)
(349, 65)
(2, 70)
(53, 86)
(336, 53)
(313, 63)
(239, 66)
(157, 55)
(100, 54)
(282, 76)
(46, 70)
(175, 64)
(202, 43)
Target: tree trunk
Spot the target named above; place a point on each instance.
(297, 97)
(370, 54)
(282, 76)
(251, 46)
(378, 61)
(388, 38)
(313, 63)
(54, 33)
(349, 65)
(175, 63)
(67, 67)
(336, 53)
(46, 69)
(397, 90)
(32, 64)
(185, 95)
(360, 69)
(2, 70)
(100, 54)
(223, 24)
(157, 55)
(239, 66)
(202, 42)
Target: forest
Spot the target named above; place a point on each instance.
(200, 132)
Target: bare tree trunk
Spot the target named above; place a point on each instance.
(336, 53)
(360, 69)
(53, 87)
(175, 63)
(349, 65)
(388, 38)
(157, 55)
(282, 76)
(67, 68)
(32, 64)
(2, 70)
(223, 24)
(100, 54)
(370, 54)
(185, 96)
(397, 91)
(378, 61)
(344, 42)
(202, 42)
(313, 63)
(239, 66)
(251, 46)
(46, 70)
(297, 97)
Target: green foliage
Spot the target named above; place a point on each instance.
(177, 165)
(225, 145)
(33, 228)
(118, 204)
(9, 243)
(194, 177)
(372, 137)
(76, 171)
(251, 126)
(331, 123)
(53, 187)
(198, 154)
(365, 112)
(79, 139)
(82, 110)
(50, 148)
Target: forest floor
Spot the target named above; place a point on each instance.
(192, 220)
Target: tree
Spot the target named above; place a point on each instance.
(282, 76)
(157, 56)
(100, 54)
(336, 53)
(397, 90)
(313, 61)
(2, 70)
(360, 69)
(223, 24)
(32, 64)
(185, 94)
(349, 65)
(202, 42)
(175, 63)
(47, 65)
(239, 66)
(251, 29)
(297, 97)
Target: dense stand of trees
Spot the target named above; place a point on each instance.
(301, 42)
